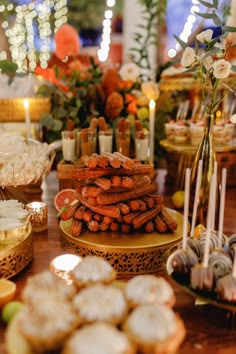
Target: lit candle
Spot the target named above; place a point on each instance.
(38, 216)
(27, 118)
(63, 264)
(152, 111)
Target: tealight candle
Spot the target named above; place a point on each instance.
(38, 216)
(62, 265)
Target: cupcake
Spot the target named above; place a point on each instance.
(155, 329)
(99, 338)
(148, 289)
(44, 285)
(91, 271)
(46, 325)
(170, 131)
(100, 303)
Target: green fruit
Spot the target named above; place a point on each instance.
(178, 199)
(10, 310)
(143, 113)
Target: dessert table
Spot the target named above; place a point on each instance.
(209, 329)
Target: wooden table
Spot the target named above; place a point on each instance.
(207, 326)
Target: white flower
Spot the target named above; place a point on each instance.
(221, 69)
(150, 89)
(233, 119)
(188, 57)
(129, 72)
(207, 62)
(205, 36)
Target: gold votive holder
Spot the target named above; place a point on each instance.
(63, 264)
(38, 216)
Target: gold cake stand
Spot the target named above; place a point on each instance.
(16, 256)
(129, 254)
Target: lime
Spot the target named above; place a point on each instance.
(10, 310)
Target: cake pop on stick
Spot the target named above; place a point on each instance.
(226, 286)
(213, 207)
(202, 276)
(195, 205)
(184, 258)
(222, 204)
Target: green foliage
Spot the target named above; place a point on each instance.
(203, 60)
(153, 13)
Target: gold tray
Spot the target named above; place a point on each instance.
(188, 148)
(136, 253)
(14, 258)
(206, 297)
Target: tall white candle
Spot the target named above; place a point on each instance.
(152, 111)
(186, 206)
(27, 118)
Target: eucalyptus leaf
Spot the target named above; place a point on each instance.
(8, 67)
(229, 29)
(181, 43)
(233, 68)
(207, 4)
(58, 125)
(215, 2)
(206, 15)
(47, 120)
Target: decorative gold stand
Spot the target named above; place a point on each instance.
(136, 253)
(14, 258)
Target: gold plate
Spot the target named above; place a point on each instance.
(136, 253)
(206, 297)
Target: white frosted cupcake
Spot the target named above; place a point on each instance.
(46, 325)
(146, 289)
(100, 303)
(44, 285)
(91, 271)
(155, 329)
(99, 338)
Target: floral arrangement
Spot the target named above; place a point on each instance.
(208, 59)
(81, 91)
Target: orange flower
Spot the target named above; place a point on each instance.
(114, 105)
(110, 81)
(67, 42)
(132, 104)
(125, 84)
(49, 74)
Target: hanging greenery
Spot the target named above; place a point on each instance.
(153, 14)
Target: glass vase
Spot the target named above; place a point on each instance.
(206, 153)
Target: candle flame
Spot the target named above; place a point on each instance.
(26, 103)
(152, 104)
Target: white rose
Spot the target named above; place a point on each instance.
(130, 72)
(233, 119)
(205, 36)
(221, 69)
(188, 57)
(151, 90)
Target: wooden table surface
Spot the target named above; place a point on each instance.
(209, 329)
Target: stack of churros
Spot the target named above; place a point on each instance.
(116, 194)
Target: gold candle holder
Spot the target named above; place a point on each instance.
(38, 216)
(63, 264)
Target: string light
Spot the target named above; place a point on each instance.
(187, 30)
(104, 49)
(21, 35)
